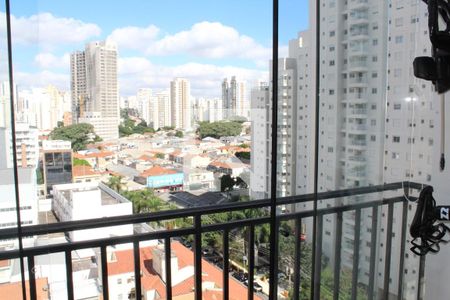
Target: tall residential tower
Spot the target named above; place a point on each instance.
(180, 99)
(95, 95)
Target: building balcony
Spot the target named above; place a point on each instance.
(357, 159)
(357, 82)
(278, 260)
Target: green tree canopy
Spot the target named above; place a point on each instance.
(179, 134)
(115, 183)
(219, 129)
(243, 155)
(80, 162)
(128, 126)
(79, 134)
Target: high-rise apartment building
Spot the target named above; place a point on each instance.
(5, 103)
(94, 88)
(234, 98)
(27, 146)
(260, 127)
(180, 100)
(161, 110)
(28, 202)
(144, 102)
(207, 109)
(376, 119)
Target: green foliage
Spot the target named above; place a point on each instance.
(219, 129)
(287, 248)
(115, 183)
(126, 112)
(167, 128)
(244, 146)
(159, 155)
(79, 134)
(239, 119)
(146, 201)
(179, 134)
(60, 124)
(227, 183)
(243, 155)
(128, 126)
(39, 176)
(80, 162)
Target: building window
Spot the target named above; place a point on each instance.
(399, 39)
(396, 139)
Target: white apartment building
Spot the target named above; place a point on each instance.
(5, 101)
(376, 119)
(43, 107)
(161, 109)
(94, 88)
(205, 109)
(70, 201)
(180, 99)
(144, 101)
(28, 201)
(260, 128)
(27, 146)
(234, 98)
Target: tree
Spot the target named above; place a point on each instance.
(226, 183)
(146, 201)
(243, 155)
(179, 134)
(39, 176)
(219, 129)
(115, 183)
(128, 127)
(78, 134)
(80, 162)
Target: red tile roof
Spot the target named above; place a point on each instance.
(146, 157)
(79, 171)
(150, 280)
(156, 171)
(94, 154)
(14, 290)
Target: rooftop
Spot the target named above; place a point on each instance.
(80, 171)
(124, 263)
(157, 171)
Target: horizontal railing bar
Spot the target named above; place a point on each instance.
(62, 247)
(350, 192)
(130, 219)
(334, 210)
(190, 212)
(45, 249)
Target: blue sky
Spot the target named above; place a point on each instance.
(203, 40)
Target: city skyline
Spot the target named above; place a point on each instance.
(152, 51)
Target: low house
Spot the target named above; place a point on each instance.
(161, 179)
(85, 174)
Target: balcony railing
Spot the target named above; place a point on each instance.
(386, 197)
